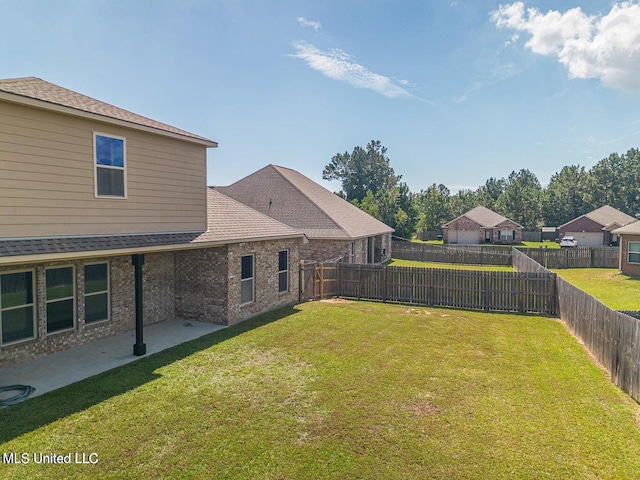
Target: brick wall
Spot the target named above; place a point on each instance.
(266, 296)
(122, 310)
(324, 250)
(201, 284)
(626, 267)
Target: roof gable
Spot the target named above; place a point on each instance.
(483, 216)
(605, 216)
(47, 94)
(294, 199)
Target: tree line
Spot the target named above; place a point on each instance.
(370, 183)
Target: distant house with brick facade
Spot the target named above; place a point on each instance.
(596, 228)
(629, 248)
(106, 225)
(333, 227)
(481, 225)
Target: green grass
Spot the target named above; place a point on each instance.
(456, 266)
(614, 289)
(344, 390)
(520, 245)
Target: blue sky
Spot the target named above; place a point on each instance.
(457, 90)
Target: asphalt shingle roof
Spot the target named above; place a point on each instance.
(38, 89)
(291, 198)
(229, 221)
(482, 216)
(607, 216)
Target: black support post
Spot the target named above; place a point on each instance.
(139, 348)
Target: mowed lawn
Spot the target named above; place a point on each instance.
(614, 289)
(343, 390)
(395, 262)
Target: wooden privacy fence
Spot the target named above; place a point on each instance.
(613, 338)
(586, 257)
(469, 254)
(436, 287)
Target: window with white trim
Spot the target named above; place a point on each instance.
(110, 166)
(506, 234)
(634, 252)
(60, 298)
(283, 271)
(246, 279)
(96, 292)
(17, 306)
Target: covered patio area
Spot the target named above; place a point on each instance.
(57, 370)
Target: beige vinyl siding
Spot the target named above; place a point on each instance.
(47, 179)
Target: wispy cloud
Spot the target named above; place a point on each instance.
(339, 65)
(497, 74)
(589, 46)
(309, 23)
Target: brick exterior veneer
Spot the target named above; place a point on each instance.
(466, 224)
(199, 284)
(324, 250)
(122, 311)
(202, 285)
(626, 267)
(267, 297)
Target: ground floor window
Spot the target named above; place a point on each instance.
(17, 307)
(283, 271)
(60, 298)
(96, 292)
(634, 252)
(506, 235)
(246, 279)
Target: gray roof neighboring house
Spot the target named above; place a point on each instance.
(293, 199)
(28, 90)
(482, 216)
(632, 228)
(606, 216)
(229, 222)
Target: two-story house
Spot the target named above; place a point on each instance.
(106, 224)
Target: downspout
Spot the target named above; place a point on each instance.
(139, 348)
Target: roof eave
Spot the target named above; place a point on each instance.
(48, 257)
(32, 102)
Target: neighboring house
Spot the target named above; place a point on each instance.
(595, 229)
(629, 248)
(481, 225)
(106, 225)
(333, 227)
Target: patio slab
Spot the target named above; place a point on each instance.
(57, 370)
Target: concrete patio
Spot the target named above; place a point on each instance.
(57, 370)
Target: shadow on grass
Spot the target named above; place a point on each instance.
(37, 412)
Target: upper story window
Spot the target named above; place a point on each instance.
(110, 166)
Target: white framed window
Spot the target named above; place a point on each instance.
(283, 271)
(17, 306)
(110, 165)
(353, 252)
(97, 295)
(633, 255)
(60, 288)
(247, 279)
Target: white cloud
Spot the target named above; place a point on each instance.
(589, 46)
(309, 23)
(339, 65)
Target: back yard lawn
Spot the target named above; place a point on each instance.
(614, 289)
(343, 390)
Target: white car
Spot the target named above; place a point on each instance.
(568, 242)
